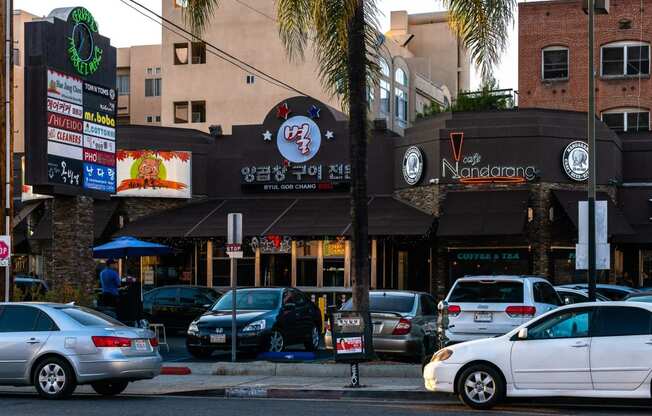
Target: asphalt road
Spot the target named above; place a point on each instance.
(28, 405)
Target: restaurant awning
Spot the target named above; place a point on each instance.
(295, 217)
(617, 223)
(483, 213)
(103, 212)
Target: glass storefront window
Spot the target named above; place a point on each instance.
(246, 267)
(333, 272)
(307, 263)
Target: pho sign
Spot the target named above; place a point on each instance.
(5, 250)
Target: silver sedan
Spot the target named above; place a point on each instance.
(56, 347)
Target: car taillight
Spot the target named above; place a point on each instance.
(153, 342)
(111, 342)
(520, 311)
(454, 310)
(403, 327)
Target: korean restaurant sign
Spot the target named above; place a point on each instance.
(70, 92)
(156, 174)
(472, 168)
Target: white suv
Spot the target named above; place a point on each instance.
(487, 306)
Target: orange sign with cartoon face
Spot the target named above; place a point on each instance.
(154, 173)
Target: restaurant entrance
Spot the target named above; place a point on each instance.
(276, 269)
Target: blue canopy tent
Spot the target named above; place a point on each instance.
(124, 247)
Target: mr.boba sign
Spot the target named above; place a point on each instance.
(70, 105)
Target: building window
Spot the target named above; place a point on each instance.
(122, 82)
(384, 67)
(251, 79)
(157, 71)
(554, 63)
(334, 252)
(384, 97)
(181, 112)
(181, 54)
(307, 263)
(149, 119)
(199, 111)
(222, 266)
(158, 119)
(401, 107)
(150, 71)
(401, 77)
(198, 53)
(153, 87)
(630, 120)
(625, 59)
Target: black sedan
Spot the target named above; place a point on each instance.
(177, 306)
(268, 319)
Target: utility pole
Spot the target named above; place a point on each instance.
(592, 158)
(6, 124)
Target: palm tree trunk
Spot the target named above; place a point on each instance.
(358, 139)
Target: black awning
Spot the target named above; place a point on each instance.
(642, 235)
(43, 230)
(483, 213)
(24, 211)
(617, 223)
(103, 212)
(295, 217)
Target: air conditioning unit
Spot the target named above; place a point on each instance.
(600, 6)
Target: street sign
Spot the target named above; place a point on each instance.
(602, 247)
(234, 236)
(5, 250)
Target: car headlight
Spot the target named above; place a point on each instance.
(442, 355)
(193, 328)
(255, 326)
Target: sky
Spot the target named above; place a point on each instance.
(126, 27)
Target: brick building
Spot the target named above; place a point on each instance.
(553, 60)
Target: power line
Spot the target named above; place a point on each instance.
(249, 68)
(260, 12)
(261, 74)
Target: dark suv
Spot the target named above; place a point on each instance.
(176, 306)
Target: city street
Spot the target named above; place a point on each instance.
(28, 405)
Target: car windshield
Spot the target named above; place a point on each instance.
(89, 317)
(256, 300)
(386, 303)
(646, 298)
(487, 291)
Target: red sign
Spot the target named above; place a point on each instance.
(64, 122)
(5, 251)
(351, 345)
(100, 158)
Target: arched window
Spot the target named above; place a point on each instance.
(627, 119)
(385, 88)
(384, 68)
(401, 77)
(621, 59)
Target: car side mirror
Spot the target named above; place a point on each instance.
(522, 333)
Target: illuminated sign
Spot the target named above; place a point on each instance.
(412, 165)
(84, 54)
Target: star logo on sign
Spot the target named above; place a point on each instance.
(283, 111)
(330, 135)
(267, 136)
(314, 112)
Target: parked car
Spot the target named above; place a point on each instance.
(405, 323)
(30, 287)
(486, 306)
(177, 306)
(570, 296)
(268, 319)
(613, 292)
(56, 347)
(598, 349)
(639, 297)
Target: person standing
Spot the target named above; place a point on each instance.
(110, 282)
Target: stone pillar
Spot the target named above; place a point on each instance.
(70, 260)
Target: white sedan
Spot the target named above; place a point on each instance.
(600, 349)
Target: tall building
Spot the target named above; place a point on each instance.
(422, 62)
(20, 17)
(553, 60)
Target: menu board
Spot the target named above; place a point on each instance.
(81, 121)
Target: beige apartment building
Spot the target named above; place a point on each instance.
(422, 62)
(20, 17)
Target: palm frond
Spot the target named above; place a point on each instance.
(198, 13)
(483, 26)
(294, 23)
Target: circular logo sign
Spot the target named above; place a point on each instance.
(412, 165)
(84, 55)
(575, 160)
(298, 139)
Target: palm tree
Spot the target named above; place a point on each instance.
(344, 37)
(483, 27)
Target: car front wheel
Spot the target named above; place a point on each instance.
(276, 342)
(109, 388)
(312, 344)
(54, 379)
(481, 387)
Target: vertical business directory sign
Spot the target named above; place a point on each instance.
(70, 105)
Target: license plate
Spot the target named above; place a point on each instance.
(218, 339)
(483, 317)
(141, 345)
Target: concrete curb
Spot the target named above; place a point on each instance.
(260, 368)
